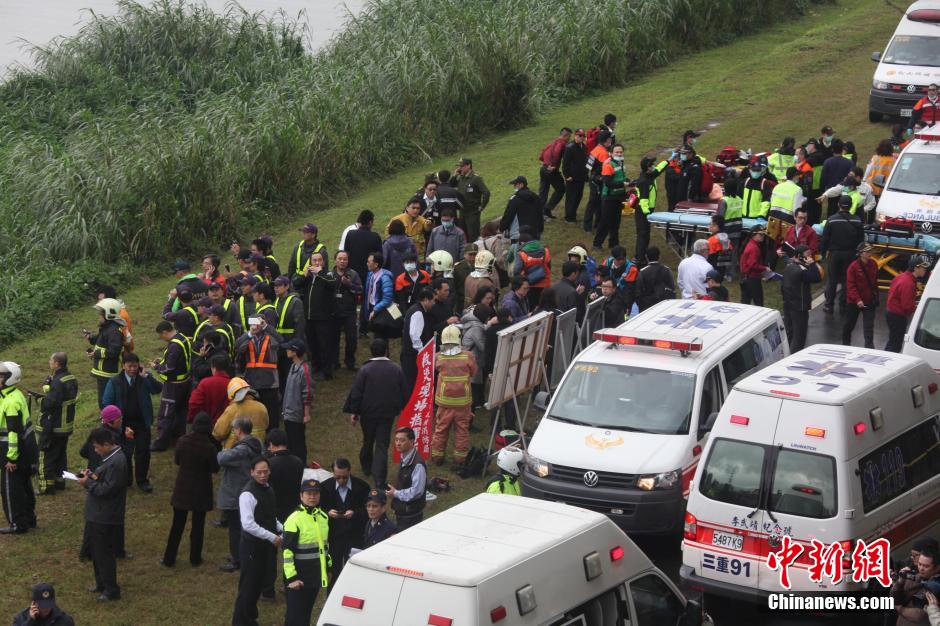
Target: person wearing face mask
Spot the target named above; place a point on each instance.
(826, 137)
(410, 282)
(927, 109)
(757, 191)
(690, 186)
(448, 236)
(782, 158)
(614, 192)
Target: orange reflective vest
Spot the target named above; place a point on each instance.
(879, 165)
(259, 360)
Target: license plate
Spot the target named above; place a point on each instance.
(727, 540)
(905, 112)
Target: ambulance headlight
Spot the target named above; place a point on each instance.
(666, 480)
(537, 466)
(878, 84)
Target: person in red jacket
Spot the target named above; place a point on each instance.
(800, 234)
(902, 301)
(927, 109)
(211, 394)
(753, 268)
(861, 296)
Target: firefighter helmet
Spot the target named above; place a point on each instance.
(441, 261)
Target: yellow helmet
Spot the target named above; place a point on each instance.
(441, 261)
(450, 336)
(237, 389)
(579, 252)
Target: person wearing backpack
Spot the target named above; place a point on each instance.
(533, 262)
(550, 174)
(596, 158)
(655, 282)
(573, 168)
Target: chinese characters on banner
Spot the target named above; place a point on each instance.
(419, 412)
(868, 560)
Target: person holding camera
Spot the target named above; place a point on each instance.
(801, 271)
(911, 586)
(861, 296)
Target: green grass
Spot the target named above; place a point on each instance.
(787, 80)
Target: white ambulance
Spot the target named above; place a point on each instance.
(834, 443)
(923, 335)
(910, 62)
(623, 431)
(500, 559)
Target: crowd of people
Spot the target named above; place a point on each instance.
(245, 343)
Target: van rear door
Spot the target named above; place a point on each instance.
(729, 536)
(425, 602)
(362, 597)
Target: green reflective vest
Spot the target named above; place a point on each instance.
(617, 180)
(754, 203)
(648, 204)
(298, 251)
(13, 406)
(782, 197)
(280, 305)
(856, 200)
(305, 539)
(223, 329)
(778, 163)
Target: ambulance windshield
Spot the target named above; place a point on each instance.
(913, 50)
(619, 397)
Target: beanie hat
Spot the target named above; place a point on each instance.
(202, 423)
(110, 414)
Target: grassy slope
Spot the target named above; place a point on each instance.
(825, 80)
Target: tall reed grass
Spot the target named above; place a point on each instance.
(169, 128)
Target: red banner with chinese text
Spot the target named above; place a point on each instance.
(419, 412)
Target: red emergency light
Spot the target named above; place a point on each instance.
(928, 136)
(616, 553)
(353, 603)
(637, 339)
(860, 428)
(439, 620)
(924, 15)
(740, 420)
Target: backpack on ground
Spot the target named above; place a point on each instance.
(474, 463)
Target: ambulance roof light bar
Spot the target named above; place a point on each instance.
(925, 15)
(629, 338)
(929, 133)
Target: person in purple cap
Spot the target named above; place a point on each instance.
(300, 255)
(263, 293)
(242, 307)
(42, 610)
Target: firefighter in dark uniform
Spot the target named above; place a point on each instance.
(18, 453)
(56, 422)
(378, 527)
(108, 344)
(306, 555)
(173, 371)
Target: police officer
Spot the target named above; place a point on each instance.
(306, 555)
(56, 421)
(509, 462)
(840, 238)
(378, 527)
(174, 371)
(42, 610)
(17, 453)
(107, 344)
(475, 195)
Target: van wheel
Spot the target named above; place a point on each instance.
(874, 117)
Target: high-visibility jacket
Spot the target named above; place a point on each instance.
(107, 351)
(856, 200)
(15, 428)
(596, 159)
(298, 252)
(783, 195)
(263, 358)
(454, 372)
(284, 329)
(58, 404)
(196, 320)
(734, 211)
(178, 374)
(244, 309)
(880, 165)
(305, 545)
(615, 177)
(926, 110)
(647, 191)
(504, 483)
(223, 329)
(268, 312)
(529, 262)
(779, 163)
(756, 201)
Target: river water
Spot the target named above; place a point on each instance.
(39, 21)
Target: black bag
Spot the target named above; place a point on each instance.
(387, 326)
(473, 464)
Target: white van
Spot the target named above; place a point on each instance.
(912, 191)
(923, 335)
(834, 443)
(500, 559)
(910, 62)
(626, 425)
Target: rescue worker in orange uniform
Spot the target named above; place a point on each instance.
(455, 367)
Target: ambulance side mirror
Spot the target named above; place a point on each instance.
(876, 57)
(708, 425)
(541, 400)
(693, 614)
(879, 180)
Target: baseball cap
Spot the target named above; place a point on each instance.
(714, 275)
(214, 285)
(297, 346)
(691, 133)
(181, 266)
(845, 202)
(310, 485)
(471, 247)
(309, 228)
(218, 310)
(283, 281)
(465, 161)
(376, 496)
(243, 255)
(827, 130)
(44, 596)
(519, 179)
(249, 280)
(206, 302)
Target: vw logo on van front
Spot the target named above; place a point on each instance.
(590, 478)
(926, 227)
(911, 88)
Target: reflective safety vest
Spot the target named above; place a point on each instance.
(242, 313)
(453, 390)
(298, 251)
(187, 347)
(225, 330)
(305, 540)
(258, 360)
(504, 483)
(779, 163)
(67, 409)
(648, 204)
(817, 177)
(754, 203)
(13, 405)
(281, 305)
(880, 165)
(782, 197)
(856, 200)
(264, 307)
(734, 207)
(618, 178)
(196, 319)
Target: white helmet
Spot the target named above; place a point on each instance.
(111, 309)
(484, 260)
(450, 336)
(14, 371)
(579, 252)
(441, 261)
(510, 460)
